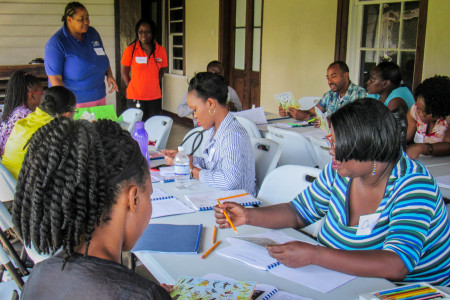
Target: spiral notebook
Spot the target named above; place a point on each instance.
(167, 205)
(206, 201)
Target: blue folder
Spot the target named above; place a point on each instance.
(169, 238)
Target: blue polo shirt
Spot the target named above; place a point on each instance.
(82, 64)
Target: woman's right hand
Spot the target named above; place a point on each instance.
(169, 155)
(236, 212)
(282, 112)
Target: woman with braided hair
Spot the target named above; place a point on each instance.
(85, 189)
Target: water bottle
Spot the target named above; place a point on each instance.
(181, 164)
(141, 136)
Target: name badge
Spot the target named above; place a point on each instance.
(418, 138)
(141, 59)
(367, 224)
(211, 154)
(99, 51)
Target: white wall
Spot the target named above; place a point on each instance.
(26, 25)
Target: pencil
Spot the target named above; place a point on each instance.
(311, 120)
(230, 197)
(214, 234)
(408, 287)
(210, 250)
(228, 218)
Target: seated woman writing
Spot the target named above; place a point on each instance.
(384, 214)
(384, 85)
(228, 162)
(57, 102)
(429, 119)
(85, 189)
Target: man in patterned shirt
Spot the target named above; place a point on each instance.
(342, 91)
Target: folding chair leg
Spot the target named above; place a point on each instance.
(13, 253)
(14, 275)
(15, 295)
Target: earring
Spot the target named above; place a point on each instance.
(374, 167)
(214, 111)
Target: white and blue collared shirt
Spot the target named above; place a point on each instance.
(228, 162)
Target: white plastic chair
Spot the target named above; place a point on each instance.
(322, 151)
(295, 148)
(249, 126)
(308, 101)
(131, 116)
(7, 184)
(284, 183)
(267, 153)
(194, 136)
(158, 130)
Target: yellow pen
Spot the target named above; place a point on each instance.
(228, 219)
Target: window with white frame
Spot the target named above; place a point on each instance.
(176, 36)
(382, 31)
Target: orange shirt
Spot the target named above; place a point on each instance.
(144, 83)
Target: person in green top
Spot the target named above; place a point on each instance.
(57, 102)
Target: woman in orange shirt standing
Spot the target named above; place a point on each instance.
(143, 64)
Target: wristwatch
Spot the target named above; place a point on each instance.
(430, 148)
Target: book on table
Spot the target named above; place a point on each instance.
(167, 205)
(188, 287)
(251, 250)
(206, 201)
(169, 238)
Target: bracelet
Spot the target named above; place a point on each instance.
(430, 149)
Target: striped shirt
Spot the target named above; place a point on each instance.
(413, 221)
(331, 101)
(227, 161)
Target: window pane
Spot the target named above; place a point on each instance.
(239, 49)
(178, 40)
(177, 52)
(369, 34)
(257, 13)
(177, 64)
(407, 67)
(390, 25)
(256, 49)
(390, 56)
(176, 27)
(176, 15)
(240, 13)
(368, 61)
(176, 3)
(410, 21)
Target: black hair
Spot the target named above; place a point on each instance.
(214, 63)
(63, 191)
(17, 90)
(209, 85)
(152, 25)
(57, 100)
(435, 91)
(342, 66)
(365, 130)
(389, 71)
(71, 10)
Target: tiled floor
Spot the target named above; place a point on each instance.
(177, 134)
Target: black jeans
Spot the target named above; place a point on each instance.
(149, 107)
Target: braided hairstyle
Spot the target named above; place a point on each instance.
(64, 189)
(435, 91)
(71, 10)
(17, 90)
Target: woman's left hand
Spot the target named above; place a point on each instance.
(415, 150)
(169, 155)
(112, 84)
(293, 254)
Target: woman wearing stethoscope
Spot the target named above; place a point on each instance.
(143, 64)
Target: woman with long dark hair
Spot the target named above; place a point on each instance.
(143, 64)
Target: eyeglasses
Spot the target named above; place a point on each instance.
(144, 32)
(36, 92)
(75, 111)
(331, 143)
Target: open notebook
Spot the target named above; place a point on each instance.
(167, 205)
(251, 250)
(206, 201)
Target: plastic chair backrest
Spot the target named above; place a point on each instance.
(191, 137)
(131, 116)
(284, 183)
(249, 126)
(322, 151)
(7, 184)
(158, 130)
(308, 102)
(295, 148)
(267, 153)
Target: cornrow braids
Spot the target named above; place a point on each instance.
(62, 191)
(17, 91)
(71, 10)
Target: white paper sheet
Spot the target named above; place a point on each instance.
(256, 115)
(443, 181)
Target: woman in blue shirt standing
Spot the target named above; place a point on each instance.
(75, 58)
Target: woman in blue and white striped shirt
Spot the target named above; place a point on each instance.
(384, 213)
(227, 160)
